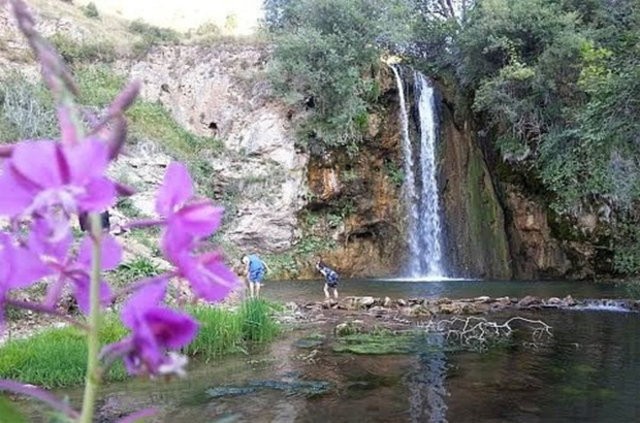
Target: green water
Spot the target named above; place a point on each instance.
(588, 372)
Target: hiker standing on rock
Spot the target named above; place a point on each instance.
(255, 271)
(331, 278)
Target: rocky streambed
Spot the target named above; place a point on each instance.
(420, 307)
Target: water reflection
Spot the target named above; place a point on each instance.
(427, 400)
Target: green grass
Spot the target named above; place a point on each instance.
(57, 357)
(133, 270)
(224, 332)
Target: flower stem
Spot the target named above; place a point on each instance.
(93, 343)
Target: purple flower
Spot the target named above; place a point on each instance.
(184, 213)
(19, 268)
(188, 220)
(69, 268)
(209, 277)
(42, 176)
(154, 329)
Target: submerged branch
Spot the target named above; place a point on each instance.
(477, 332)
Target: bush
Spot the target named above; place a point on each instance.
(26, 110)
(74, 52)
(91, 11)
(326, 59)
(136, 269)
(154, 34)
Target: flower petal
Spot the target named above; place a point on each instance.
(199, 219)
(176, 188)
(15, 196)
(143, 299)
(81, 292)
(87, 160)
(100, 194)
(39, 162)
(211, 281)
(170, 328)
(111, 252)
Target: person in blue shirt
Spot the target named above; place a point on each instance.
(331, 278)
(255, 271)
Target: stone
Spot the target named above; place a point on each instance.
(365, 302)
(387, 302)
(529, 301)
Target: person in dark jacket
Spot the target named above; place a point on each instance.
(331, 278)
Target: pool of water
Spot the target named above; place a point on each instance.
(589, 371)
(452, 288)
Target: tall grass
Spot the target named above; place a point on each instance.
(224, 331)
(57, 357)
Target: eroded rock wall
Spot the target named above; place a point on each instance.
(221, 91)
(475, 238)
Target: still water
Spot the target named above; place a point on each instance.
(588, 372)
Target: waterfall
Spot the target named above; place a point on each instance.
(420, 185)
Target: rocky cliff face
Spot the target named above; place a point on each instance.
(221, 91)
(476, 243)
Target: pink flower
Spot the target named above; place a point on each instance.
(188, 220)
(184, 213)
(42, 176)
(69, 268)
(209, 277)
(154, 329)
(19, 268)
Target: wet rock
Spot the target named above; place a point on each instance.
(483, 299)
(569, 301)
(401, 302)
(450, 308)
(387, 302)
(554, 302)
(365, 302)
(529, 301)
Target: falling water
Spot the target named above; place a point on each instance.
(410, 195)
(421, 189)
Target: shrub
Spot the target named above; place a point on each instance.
(154, 34)
(91, 11)
(74, 52)
(25, 110)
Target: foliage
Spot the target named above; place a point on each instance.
(326, 58)
(25, 109)
(91, 11)
(154, 34)
(136, 269)
(56, 357)
(223, 331)
(74, 51)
